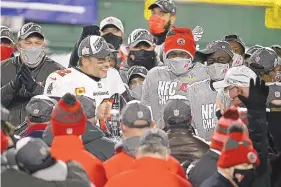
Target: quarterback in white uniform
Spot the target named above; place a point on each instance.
(93, 77)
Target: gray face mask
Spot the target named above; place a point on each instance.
(217, 71)
(136, 92)
(178, 65)
(32, 57)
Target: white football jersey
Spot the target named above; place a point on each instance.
(75, 82)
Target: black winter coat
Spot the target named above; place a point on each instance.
(14, 101)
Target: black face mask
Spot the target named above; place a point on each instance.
(143, 58)
(116, 41)
(244, 178)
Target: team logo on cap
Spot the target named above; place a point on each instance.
(181, 41)
(36, 111)
(223, 47)
(109, 20)
(43, 151)
(252, 157)
(277, 94)
(176, 112)
(140, 114)
(85, 51)
(257, 59)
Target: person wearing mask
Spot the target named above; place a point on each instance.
(264, 63)
(93, 77)
(112, 30)
(237, 161)
(177, 121)
(238, 47)
(253, 95)
(37, 167)
(217, 56)
(161, 83)
(162, 19)
(113, 57)
(249, 53)
(38, 112)
(136, 118)
(94, 139)
(87, 30)
(151, 164)
(136, 77)
(7, 43)
(67, 144)
(141, 52)
(24, 76)
(206, 166)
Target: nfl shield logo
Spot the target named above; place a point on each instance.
(181, 41)
(257, 59)
(176, 112)
(277, 94)
(140, 114)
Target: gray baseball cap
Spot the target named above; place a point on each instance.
(95, 46)
(251, 50)
(213, 47)
(154, 136)
(167, 6)
(140, 35)
(7, 33)
(88, 104)
(235, 38)
(137, 70)
(29, 29)
(274, 91)
(177, 110)
(263, 60)
(134, 112)
(39, 108)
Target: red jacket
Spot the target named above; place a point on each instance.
(148, 172)
(70, 147)
(121, 162)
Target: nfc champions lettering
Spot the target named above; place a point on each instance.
(165, 90)
(208, 116)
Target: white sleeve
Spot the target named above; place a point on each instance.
(145, 92)
(117, 82)
(54, 86)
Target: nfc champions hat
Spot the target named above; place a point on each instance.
(235, 38)
(7, 33)
(154, 136)
(134, 112)
(137, 70)
(263, 60)
(213, 47)
(236, 76)
(111, 21)
(39, 108)
(88, 105)
(167, 6)
(177, 112)
(29, 29)
(95, 46)
(274, 91)
(251, 50)
(140, 35)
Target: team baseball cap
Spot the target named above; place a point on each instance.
(111, 21)
(263, 60)
(137, 70)
(235, 38)
(39, 108)
(177, 110)
(134, 112)
(167, 6)
(7, 33)
(154, 136)
(251, 50)
(274, 91)
(236, 76)
(95, 46)
(213, 47)
(140, 35)
(28, 29)
(88, 105)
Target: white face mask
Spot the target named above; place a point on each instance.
(32, 57)
(136, 92)
(217, 71)
(179, 65)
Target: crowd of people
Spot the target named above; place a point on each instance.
(154, 111)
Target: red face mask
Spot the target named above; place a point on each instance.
(6, 52)
(156, 24)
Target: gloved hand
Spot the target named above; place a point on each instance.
(27, 79)
(90, 30)
(16, 83)
(257, 95)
